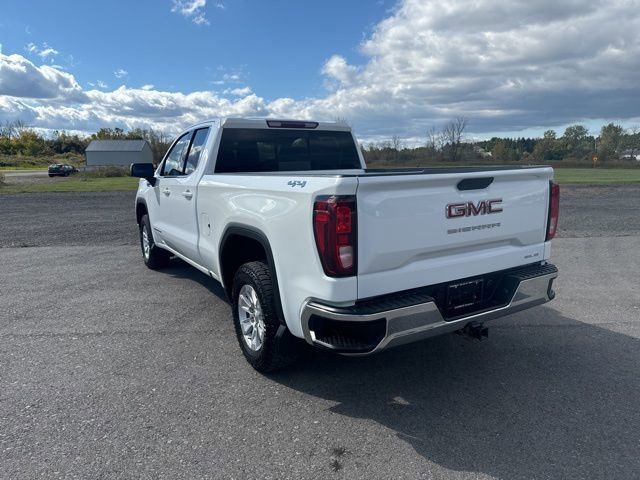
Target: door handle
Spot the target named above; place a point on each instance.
(187, 194)
(166, 191)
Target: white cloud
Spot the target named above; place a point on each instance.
(148, 86)
(43, 52)
(505, 66)
(238, 92)
(200, 19)
(19, 77)
(47, 52)
(230, 76)
(99, 84)
(52, 104)
(337, 68)
(188, 7)
(120, 73)
(192, 9)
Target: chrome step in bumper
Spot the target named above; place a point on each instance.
(380, 323)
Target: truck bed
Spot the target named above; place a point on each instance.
(372, 172)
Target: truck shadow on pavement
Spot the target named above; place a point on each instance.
(182, 270)
(545, 397)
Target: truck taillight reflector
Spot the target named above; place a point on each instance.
(335, 228)
(554, 210)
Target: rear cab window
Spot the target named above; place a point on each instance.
(266, 150)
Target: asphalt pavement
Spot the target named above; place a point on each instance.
(110, 370)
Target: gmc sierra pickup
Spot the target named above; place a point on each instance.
(310, 244)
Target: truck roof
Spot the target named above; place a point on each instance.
(235, 122)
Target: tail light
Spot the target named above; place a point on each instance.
(335, 227)
(554, 210)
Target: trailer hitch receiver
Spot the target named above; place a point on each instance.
(474, 331)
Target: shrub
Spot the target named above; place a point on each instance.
(21, 161)
(106, 172)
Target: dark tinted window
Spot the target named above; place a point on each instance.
(173, 163)
(199, 139)
(261, 150)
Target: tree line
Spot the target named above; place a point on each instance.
(16, 138)
(449, 144)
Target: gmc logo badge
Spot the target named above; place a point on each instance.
(471, 209)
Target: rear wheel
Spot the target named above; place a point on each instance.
(265, 341)
(154, 257)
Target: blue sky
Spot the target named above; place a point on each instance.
(277, 46)
(392, 67)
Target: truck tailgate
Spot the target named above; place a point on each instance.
(406, 240)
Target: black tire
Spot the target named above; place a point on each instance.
(157, 257)
(279, 348)
(50, 175)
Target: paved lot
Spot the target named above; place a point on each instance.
(109, 370)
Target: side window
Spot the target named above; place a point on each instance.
(173, 163)
(199, 139)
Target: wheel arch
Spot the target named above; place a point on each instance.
(241, 244)
(141, 209)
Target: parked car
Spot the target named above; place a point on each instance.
(61, 170)
(310, 244)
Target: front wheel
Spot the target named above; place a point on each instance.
(266, 343)
(154, 257)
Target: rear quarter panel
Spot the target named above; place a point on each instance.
(281, 207)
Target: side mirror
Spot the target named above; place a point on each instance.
(143, 170)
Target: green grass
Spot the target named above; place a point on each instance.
(597, 175)
(75, 184)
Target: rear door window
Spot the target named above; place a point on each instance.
(197, 144)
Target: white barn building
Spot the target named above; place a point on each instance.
(121, 153)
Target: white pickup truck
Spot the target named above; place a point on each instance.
(310, 244)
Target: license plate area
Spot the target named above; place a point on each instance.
(463, 295)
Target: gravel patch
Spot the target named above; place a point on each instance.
(74, 218)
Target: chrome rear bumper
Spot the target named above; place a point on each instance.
(418, 318)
